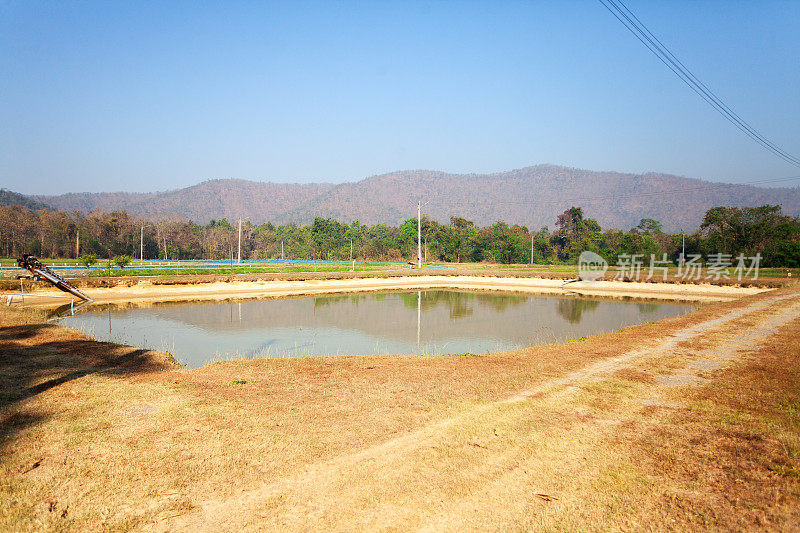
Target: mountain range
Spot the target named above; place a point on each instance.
(531, 196)
(14, 198)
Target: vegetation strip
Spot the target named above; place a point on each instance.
(117, 236)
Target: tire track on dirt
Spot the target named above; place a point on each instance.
(470, 512)
(324, 488)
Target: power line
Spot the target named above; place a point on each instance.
(727, 110)
(637, 28)
(652, 43)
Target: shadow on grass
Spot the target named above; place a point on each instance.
(39, 357)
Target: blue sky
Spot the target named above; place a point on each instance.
(141, 96)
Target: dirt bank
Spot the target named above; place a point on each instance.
(144, 291)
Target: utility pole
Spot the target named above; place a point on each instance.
(419, 234)
(141, 245)
(351, 249)
(281, 250)
(683, 247)
(77, 243)
(239, 254)
(531, 248)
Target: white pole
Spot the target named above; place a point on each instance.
(683, 248)
(282, 251)
(531, 248)
(419, 234)
(141, 245)
(77, 243)
(239, 254)
(351, 249)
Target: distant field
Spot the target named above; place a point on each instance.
(71, 268)
(235, 270)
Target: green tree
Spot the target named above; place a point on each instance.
(751, 230)
(122, 260)
(464, 234)
(648, 226)
(574, 234)
(327, 235)
(88, 260)
(504, 244)
(542, 249)
(408, 238)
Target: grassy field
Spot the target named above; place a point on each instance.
(636, 429)
(178, 268)
(133, 271)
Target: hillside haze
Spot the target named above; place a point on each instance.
(214, 199)
(531, 196)
(13, 198)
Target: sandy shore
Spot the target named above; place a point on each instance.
(145, 292)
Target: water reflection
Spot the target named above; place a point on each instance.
(325, 301)
(461, 304)
(646, 308)
(419, 320)
(572, 308)
(433, 322)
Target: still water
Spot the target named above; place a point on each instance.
(432, 322)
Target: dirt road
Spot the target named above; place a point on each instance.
(530, 460)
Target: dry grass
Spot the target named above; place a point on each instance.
(731, 459)
(97, 436)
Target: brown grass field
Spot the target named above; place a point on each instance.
(684, 424)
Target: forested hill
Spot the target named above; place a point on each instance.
(14, 198)
(531, 196)
(215, 199)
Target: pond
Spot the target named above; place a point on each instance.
(429, 322)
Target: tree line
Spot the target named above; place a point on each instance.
(730, 230)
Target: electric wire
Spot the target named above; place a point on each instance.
(675, 61)
(691, 81)
(652, 43)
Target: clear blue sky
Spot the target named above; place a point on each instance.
(141, 96)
